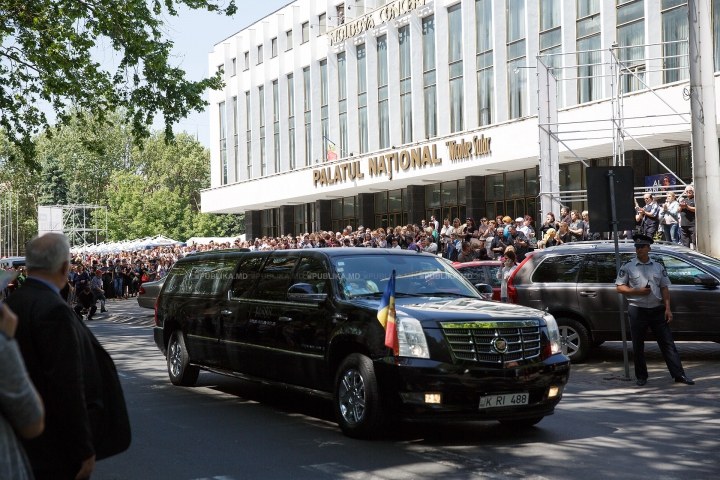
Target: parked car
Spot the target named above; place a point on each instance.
(482, 271)
(148, 293)
(575, 282)
(307, 319)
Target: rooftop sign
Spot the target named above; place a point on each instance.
(372, 19)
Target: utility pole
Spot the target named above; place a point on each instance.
(705, 156)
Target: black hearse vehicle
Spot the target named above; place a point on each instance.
(307, 319)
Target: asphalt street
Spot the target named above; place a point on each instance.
(230, 429)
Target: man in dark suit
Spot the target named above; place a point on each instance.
(69, 368)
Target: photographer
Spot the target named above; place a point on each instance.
(687, 217)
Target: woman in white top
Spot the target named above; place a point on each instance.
(504, 273)
(669, 214)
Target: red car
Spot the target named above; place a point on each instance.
(482, 271)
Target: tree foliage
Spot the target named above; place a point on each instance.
(46, 57)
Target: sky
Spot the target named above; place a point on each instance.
(194, 34)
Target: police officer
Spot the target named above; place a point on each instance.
(644, 283)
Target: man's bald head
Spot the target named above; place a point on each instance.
(47, 254)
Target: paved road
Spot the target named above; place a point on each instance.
(228, 429)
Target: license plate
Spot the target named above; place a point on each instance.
(508, 400)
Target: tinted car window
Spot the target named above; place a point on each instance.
(679, 271)
(558, 269)
(196, 277)
(312, 270)
(493, 275)
(275, 278)
(600, 268)
(176, 278)
(246, 276)
(474, 274)
(213, 276)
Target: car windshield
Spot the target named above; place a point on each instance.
(704, 260)
(422, 275)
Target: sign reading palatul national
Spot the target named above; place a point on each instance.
(372, 19)
(403, 160)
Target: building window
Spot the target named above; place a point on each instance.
(340, 12)
(588, 40)
(223, 143)
(322, 24)
(429, 76)
(288, 40)
(343, 212)
(383, 108)
(405, 87)
(551, 41)
(342, 98)
(299, 219)
(269, 222)
(273, 48)
(675, 36)
(260, 54)
(512, 193)
(307, 86)
(305, 29)
(263, 156)
(248, 135)
(390, 208)
(362, 97)
(484, 61)
(276, 124)
(236, 136)
(516, 71)
(220, 68)
(324, 110)
(246, 66)
(630, 32)
(233, 69)
(291, 120)
(446, 200)
(455, 58)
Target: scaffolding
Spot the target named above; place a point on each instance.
(82, 224)
(623, 74)
(10, 224)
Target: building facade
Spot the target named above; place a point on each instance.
(375, 113)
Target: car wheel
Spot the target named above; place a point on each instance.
(356, 398)
(178, 363)
(521, 422)
(574, 339)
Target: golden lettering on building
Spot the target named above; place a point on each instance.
(381, 165)
(378, 16)
(463, 150)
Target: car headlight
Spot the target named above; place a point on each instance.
(553, 333)
(411, 338)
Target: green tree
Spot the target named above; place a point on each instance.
(46, 50)
(53, 185)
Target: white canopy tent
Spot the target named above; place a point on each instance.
(126, 245)
(215, 240)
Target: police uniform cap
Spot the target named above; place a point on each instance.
(642, 240)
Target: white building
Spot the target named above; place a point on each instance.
(431, 107)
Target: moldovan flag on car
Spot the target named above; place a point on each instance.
(386, 315)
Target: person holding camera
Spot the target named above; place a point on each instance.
(504, 273)
(687, 217)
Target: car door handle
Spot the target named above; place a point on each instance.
(588, 294)
(226, 313)
(285, 319)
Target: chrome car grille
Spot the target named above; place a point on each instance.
(479, 341)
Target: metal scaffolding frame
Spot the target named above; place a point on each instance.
(78, 225)
(9, 223)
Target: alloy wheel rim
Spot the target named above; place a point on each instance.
(175, 359)
(569, 341)
(352, 397)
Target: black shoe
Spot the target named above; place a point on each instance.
(103, 311)
(641, 381)
(685, 380)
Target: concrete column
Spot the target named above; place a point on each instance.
(393, 51)
(416, 203)
(287, 217)
(442, 70)
(475, 197)
(706, 167)
(323, 214)
(500, 58)
(416, 65)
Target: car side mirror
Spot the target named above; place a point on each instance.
(707, 281)
(305, 293)
(485, 290)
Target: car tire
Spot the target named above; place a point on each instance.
(574, 339)
(521, 422)
(178, 362)
(356, 399)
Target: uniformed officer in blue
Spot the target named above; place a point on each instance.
(645, 282)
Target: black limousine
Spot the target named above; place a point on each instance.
(307, 319)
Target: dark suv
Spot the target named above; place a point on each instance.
(576, 283)
(307, 319)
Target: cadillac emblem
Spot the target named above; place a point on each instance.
(500, 345)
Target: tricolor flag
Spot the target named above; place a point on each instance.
(386, 315)
(330, 153)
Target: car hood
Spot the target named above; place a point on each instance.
(431, 310)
